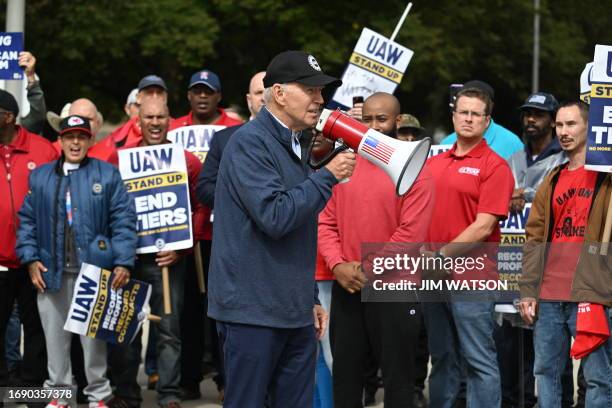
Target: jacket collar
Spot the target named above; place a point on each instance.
(59, 164)
(277, 130)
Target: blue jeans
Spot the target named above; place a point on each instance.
(125, 359)
(556, 323)
(461, 346)
(325, 291)
(324, 393)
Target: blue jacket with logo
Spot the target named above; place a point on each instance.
(104, 218)
(264, 245)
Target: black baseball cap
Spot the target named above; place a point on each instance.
(542, 101)
(75, 122)
(152, 80)
(297, 66)
(8, 102)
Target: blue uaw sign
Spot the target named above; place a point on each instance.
(599, 140)
(156, 179)
(98, 311)
(377, 64)
(11, 44)
(195, 139)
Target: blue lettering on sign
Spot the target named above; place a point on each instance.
(516, 221)
(193, 141)
(155, 160)
(84, 299)
(609, 65)
(387, 51)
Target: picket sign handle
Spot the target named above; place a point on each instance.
(605, 239)
(166, 286)
(199, 267)
(401, 22)
(153, 318)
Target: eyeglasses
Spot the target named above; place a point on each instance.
(464, 114)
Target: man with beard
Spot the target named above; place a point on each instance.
(389, 329)
(541, 154)
(542, 150)
(563, 267)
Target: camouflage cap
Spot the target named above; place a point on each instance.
(408, 121)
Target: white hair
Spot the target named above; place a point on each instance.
(268, 96)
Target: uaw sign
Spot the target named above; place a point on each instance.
(195, 139)
(599, 139)
(11, 44)
(98, 311)
(377, 64)
(156, 179)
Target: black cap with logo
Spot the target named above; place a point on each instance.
(297, 66)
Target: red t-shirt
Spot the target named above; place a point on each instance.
(187, 120)
(477, 182)
(571, 203)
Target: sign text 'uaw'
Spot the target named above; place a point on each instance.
(377, 64)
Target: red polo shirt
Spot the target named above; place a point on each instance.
(187, 120)
(477, 182)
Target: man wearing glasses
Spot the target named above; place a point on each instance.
(473, 188)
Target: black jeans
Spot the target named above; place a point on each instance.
(192, 325)
(391, 329)
(15, 284)
(125, 359)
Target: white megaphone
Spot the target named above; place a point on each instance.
(402, 161)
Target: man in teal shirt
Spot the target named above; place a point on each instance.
(500, 140)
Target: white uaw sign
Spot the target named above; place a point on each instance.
(377, 64)
(195, 138)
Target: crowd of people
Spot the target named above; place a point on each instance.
(282, 245)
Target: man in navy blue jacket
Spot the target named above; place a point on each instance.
(262, 287)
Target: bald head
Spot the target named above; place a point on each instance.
(154, 119)
(255, 98)
(380, 112)
(86, 108)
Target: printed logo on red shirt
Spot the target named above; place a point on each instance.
(469, 170)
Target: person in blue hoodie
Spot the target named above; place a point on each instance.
(77, 210)
(262, 289)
